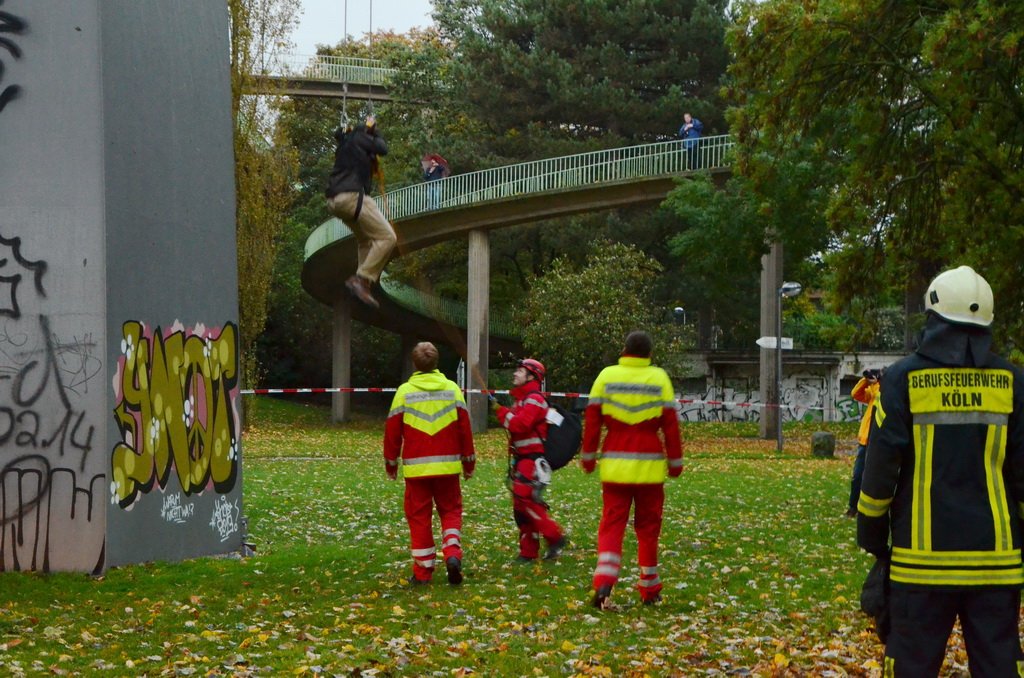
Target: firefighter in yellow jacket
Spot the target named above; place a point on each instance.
(428, 427)
(944, 480)
(635, 402)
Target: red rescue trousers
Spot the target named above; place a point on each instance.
(530, 515)
(649, 500)
(421, 495)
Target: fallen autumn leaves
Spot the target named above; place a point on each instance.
(761, 573)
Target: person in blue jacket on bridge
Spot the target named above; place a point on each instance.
(690, 132)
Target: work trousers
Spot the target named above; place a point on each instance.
(649, 502)
(531, 515)
(372, 231)
(923, 620)
(421, 495)
(692, 153)
(858, 474)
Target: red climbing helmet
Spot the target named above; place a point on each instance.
(534, 367)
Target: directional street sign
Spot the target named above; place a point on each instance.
(769, 342)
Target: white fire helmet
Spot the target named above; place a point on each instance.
(960, 295)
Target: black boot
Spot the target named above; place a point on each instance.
(555, 548)
(454, 567)
(600, 599)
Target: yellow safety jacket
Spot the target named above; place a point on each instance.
(635, 401)
(428, 426)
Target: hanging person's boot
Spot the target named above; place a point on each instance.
(359, 287)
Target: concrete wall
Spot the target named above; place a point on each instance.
(815, 387)
(118, 311)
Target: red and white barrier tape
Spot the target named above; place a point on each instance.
(556, 394)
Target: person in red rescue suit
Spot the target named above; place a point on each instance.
(943, 490)
(636, 403)
(527, 427)
(428, 428)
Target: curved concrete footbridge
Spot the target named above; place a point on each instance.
(471, 205)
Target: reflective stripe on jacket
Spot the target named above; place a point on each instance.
(635, 401)
(428, 426)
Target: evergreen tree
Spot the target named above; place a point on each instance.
(535, 71)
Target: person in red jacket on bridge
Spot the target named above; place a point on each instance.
(635, 401)
(428, 427)
(529, 471)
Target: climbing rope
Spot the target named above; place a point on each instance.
(369, 89)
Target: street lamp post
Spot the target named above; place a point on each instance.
(788, 289)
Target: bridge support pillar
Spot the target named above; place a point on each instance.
(341, 403)
(477, 325)
(409, 342)
(771, 281)
(119, 287)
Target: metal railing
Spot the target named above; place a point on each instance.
(332, 69)
(616, 165)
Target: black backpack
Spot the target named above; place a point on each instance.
(565, 436)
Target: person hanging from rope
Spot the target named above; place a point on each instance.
(356, 162)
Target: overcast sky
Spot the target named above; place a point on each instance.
(324, 21)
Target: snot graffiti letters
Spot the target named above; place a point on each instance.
(176, 409)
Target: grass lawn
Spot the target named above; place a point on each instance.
(761, 574)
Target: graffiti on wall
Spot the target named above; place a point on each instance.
(176, 395)
(48, 500)
(803, 399)
(226, 518)
(9, 25)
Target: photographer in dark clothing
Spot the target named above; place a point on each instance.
(944, 480)
(348, 187)
(866, 391)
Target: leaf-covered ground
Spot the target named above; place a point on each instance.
(761, 576)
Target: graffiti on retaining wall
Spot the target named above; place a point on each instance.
(803, 401)
(11, 25)
(729, 405)
(49, 503)
(176, 395)
(803, 398)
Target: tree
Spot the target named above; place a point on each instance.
(916, 110)
(603, 71)
(264, 162)
(575, 319)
